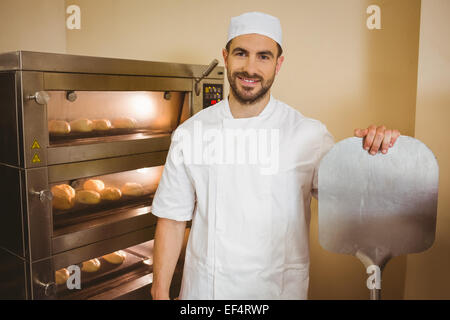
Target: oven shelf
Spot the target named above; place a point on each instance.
(84, 214)
(124, 222)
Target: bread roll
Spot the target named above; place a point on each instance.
(101, 124)
(111, 193)
(61, 276)
(63, 197)
(94, 185)
(81, 125)
(117, 257)
(91, 265)
(124, 123)
(88, 197)
(58, 126)
(132, 189)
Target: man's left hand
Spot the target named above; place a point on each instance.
(376, 138)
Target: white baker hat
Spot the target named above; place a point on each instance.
(255, 22)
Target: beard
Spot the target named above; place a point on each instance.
(245, 95)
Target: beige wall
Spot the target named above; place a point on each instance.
(34, 25)
(335, 70)
(428, 274)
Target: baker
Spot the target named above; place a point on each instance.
(250, 226)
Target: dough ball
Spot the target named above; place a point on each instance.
(101, 124)
(61, 276)
(117, 257)
(91, 266)
(132, 189)
(63, 197)
(81, 125)
(111, 193)
(62, 190)
(58, 126)
(94, 185)
(88, 197)
(124, 123)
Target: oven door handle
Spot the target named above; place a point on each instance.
(49, 288)
(208, 70)
(41, 97)
(43, 195)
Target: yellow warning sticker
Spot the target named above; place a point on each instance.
(35, 145)
(36, 158)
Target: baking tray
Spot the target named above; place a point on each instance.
(144, 250)
(108, 276)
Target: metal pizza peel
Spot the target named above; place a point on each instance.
(377, 207)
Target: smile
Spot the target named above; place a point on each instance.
(248, 81)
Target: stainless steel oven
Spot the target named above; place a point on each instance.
(83, 143)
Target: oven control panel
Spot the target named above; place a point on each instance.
(212, 94)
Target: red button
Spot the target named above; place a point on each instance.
(213, 102)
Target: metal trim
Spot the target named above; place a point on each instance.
(38, 214)
(53, 62)
(78, 170)
(10, 61)
(108, 149)
(96, 82)
(34, 121)
(126, 288)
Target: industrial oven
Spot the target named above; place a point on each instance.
(83, 144)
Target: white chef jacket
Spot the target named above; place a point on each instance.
(250, 231)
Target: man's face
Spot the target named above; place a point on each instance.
(252, 64)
